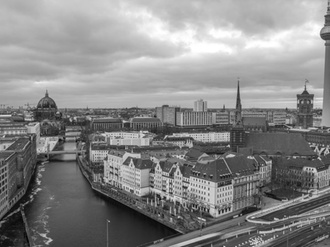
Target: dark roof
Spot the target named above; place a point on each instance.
(185, 170)
(254, 121)
(193, 154)
(300, 163)
(285, 144)
(241, 165)
(214, 171)
(176, 139)
(19, 144)
(107, 120)
(139, 163)
(166, 166)
(6, 155)
(47, 102)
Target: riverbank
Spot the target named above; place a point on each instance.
(148, 209)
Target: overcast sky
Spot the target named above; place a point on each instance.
(146, 53)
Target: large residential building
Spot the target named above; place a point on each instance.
(193, 118)
(303, 174)
(17, 164)
(167, 114)
(135, 173)
(215, 186)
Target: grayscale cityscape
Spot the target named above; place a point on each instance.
(165, 123)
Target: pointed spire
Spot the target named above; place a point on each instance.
(238, 111)
(238, 98)
(46, 93)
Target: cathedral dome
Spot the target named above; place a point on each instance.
(47, 102)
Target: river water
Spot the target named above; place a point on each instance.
(63, 210)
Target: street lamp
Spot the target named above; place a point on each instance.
(108, 221)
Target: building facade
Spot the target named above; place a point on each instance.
(167, 114)
(194, 118)
(305, 103)
(200, 105)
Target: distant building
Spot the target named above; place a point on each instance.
(167, 114)
(237, 132)
(206, 136)
(46, 109)
(194, 118)
(221, 117)
(279, 145)
(145, 123)
(106, 124)
(254, 124)
(200, 105)
(128, 138)
(274, 117)
(305, 108)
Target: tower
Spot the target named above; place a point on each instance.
(305, 108)
(238, 110)
(325, 35)
(200, 105)
(237, 133)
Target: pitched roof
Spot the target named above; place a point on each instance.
(214, 171)
(193, 154)
(139, 163)
(241, 165)
(286, 144)
(301, 163)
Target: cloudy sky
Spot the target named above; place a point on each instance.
(146, 53)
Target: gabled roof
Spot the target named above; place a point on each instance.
(285, 144)
(166, 166)
(185, 170)
(139, 163)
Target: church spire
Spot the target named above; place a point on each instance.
(238, 111)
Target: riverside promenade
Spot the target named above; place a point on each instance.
(151, 207)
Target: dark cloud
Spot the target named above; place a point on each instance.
(148, 53)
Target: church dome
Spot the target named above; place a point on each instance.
(47, 102)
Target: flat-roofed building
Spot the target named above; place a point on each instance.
(206, 136)
(194, 118)
(106, 124)
(167, 114)
(145, 123)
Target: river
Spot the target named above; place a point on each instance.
(63, 210)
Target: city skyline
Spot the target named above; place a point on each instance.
(146, 54)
